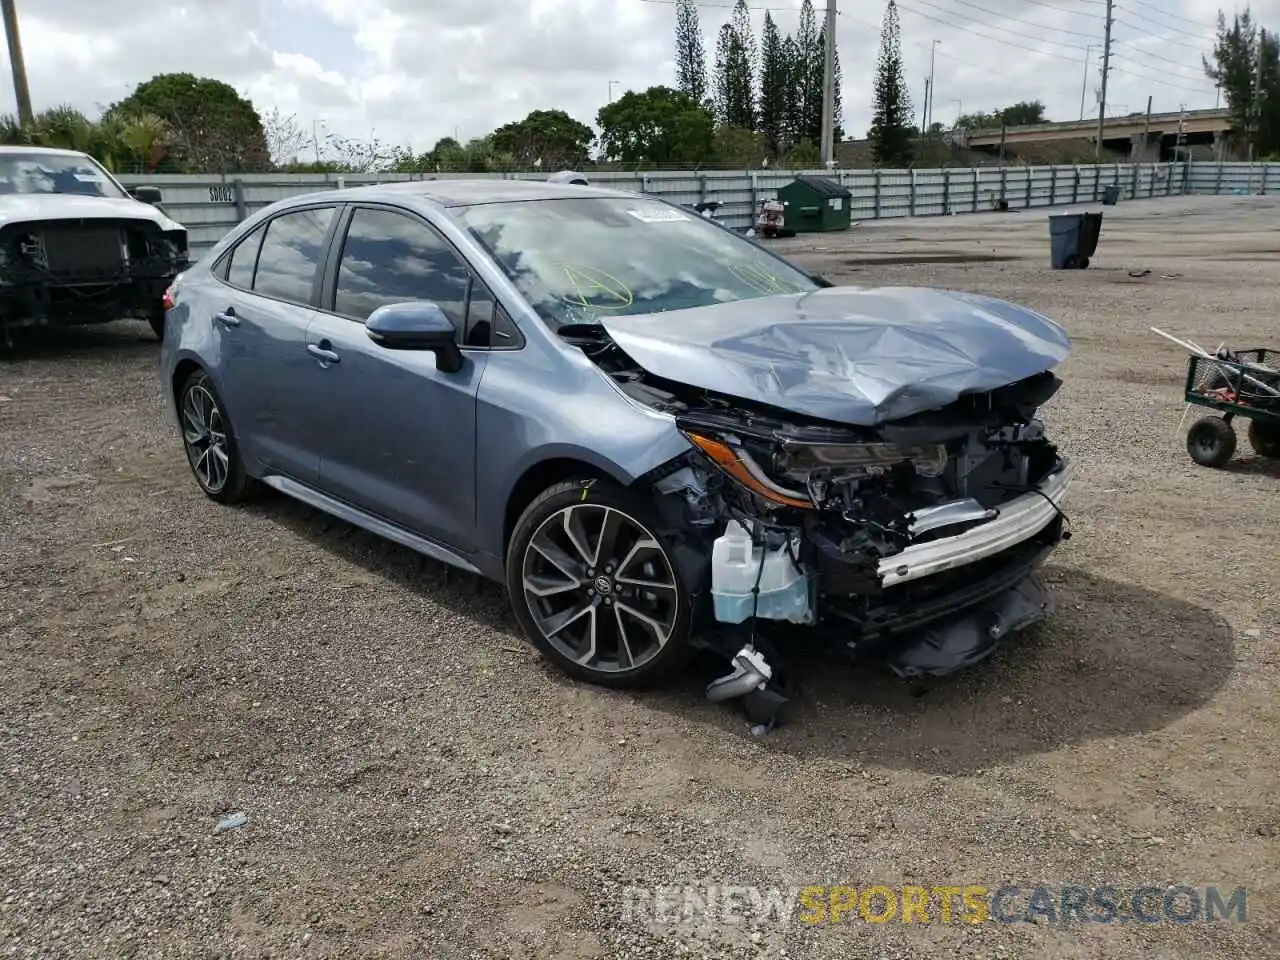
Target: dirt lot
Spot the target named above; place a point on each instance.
(418, 783)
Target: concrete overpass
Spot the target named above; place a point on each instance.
(1195, 126)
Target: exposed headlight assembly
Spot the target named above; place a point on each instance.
(734, 459)
(808, 464)
(859, 459)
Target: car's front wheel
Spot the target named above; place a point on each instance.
(595, 587)
(210, 442)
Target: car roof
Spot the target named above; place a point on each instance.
(464, 191)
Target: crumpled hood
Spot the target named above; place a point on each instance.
(31, 207)
(856, 355)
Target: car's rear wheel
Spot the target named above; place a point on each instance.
(594, 586)
(210, 442)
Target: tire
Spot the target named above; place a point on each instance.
(203, 422)
(1211, 442)
(1265, 439)
(654, 622)
(1084, 264)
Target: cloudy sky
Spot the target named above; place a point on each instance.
(412, 71)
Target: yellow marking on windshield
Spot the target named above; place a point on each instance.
(589, 283)
(761, 279)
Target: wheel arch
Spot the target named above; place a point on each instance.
(547, 473)
(182, 370)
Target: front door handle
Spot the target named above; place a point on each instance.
(321, 351)
(228, 317)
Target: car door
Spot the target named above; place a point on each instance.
(399, 434)
(270, 283)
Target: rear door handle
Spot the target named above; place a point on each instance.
(228, 317)
(322, 351)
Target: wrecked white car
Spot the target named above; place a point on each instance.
(78, 248)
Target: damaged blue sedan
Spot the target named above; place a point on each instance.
(659, 436)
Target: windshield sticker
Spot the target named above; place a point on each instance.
(659, 215)
(594, 289)
(87, 177)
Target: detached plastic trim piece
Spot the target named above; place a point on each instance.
(1019, 520)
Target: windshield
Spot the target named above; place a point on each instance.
(578, 260)
(55, 173)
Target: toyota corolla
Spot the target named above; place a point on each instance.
(658, 435)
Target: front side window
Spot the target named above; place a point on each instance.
(390, 257)
(292, 251)
(582, 259)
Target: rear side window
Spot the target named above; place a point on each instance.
(291, 253)
(243, 258)
(390, 257)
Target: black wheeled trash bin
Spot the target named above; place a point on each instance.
(1111, 195)
(1073, 239)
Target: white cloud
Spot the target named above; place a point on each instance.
(416, 71)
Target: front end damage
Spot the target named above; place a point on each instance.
(75, 271)
(913, 542)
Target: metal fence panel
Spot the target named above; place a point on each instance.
(211, 205)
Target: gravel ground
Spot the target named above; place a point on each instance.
(418, 783)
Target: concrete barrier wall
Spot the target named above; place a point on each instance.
(210, 206)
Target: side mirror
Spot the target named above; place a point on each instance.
(146, 194)
(417, 325)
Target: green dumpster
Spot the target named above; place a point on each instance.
(816, 204)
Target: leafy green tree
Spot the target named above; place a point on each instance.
(213, 128)
(807, 77)
(735, 71)
(774, 75)
(691, 57)
(1024, 113)
(739, 148)
(793, 101)
(891, 123)
(805, 155)
(1246, 67)
(550, 139)
(656, 126)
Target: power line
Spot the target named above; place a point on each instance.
(1199, 47)
(1165, 13)
(1161, 80)
(987, 36)
(1025, 23)
(725, 6)
(1166, 28)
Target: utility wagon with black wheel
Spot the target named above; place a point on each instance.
(1242, 384)
(633, 418)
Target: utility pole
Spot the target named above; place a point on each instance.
(21, 92)
(1085, 82)
(1106, 69)
(924, 112)
(928, 105)
(1146, 135)
(829, 86)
